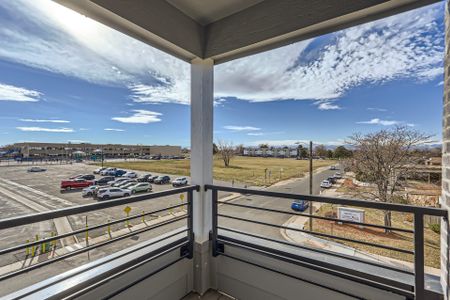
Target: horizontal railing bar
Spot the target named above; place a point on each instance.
(289, 275)
(93, 266)
(317, 233)
(64, 212)
(316, 217)
(432, 211)
(290, 258)
(331, 253)
(88, 248)
(131, 268)
(82, 230)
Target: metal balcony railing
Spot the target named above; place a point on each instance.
(185, 243)
(417, 292)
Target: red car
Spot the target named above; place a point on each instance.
(75, 184)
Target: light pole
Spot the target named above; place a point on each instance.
(310, 180)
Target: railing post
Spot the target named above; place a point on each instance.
(214, 222)
(190, 223)
(419, 257)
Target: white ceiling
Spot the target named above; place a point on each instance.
(208, 11)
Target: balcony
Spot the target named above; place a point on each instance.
(206, 249)
(243, 264)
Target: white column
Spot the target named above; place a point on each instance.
(202, 102)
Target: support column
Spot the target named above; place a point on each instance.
(445, 198)
(202, 103)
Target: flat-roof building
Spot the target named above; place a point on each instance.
(63, 150)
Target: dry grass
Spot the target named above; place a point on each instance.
(247, 170)
(378, 236)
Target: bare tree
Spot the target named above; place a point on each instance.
(384, 157)
(226, 151)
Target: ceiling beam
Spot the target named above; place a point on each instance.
(274, 23)
(154, 22)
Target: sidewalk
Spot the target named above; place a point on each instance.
(312, 241)
(32, 260)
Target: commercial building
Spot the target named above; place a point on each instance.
(66, 150)
(271, 152)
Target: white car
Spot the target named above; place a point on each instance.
(130, 175)
(180, 181)
(326, 184)
(90, 191)
(106, 171)
(109, 193)
(338, 175)
(117, 182)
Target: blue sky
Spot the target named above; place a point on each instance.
(64, 77)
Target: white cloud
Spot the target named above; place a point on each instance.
(114, 129)
(255, 133)
(241, 128)
(43, 129)
(407, 46)
(20, 94)
(327, 105)
(140, 116)
(78, 142)
(377, 109)
(41, 34)
(441, 83)
(44, 121)
(377, 121)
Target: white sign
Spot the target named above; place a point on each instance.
(351, 214)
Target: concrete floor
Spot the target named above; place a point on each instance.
(209, 295)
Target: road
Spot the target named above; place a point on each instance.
(298, 186)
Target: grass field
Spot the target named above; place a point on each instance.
(378, 236)
(247, 170)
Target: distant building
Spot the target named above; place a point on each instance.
(67, 150)
(280, 152)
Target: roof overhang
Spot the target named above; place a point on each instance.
(228, 29)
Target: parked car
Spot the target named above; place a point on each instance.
(332, 180)
(130, 175)
(75, 184)
(162, 179)
(104, 180)
(109, 193)
(144, 178)
(332, 167)
(106, 171)
(326, 184)
(299, 205)
(83, 176)
(128, 185)
(140, 187)
(180, 181)
(90, 191)
(119, 173)
(151, 179)
(338, 175)
(36, 169)
(97, 171)
(117, 181)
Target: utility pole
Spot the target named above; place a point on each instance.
(310, 183)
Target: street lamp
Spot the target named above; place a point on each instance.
(310, 179)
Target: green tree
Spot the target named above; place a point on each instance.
(320, 151)
(342, 152)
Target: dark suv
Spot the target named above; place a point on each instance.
(104, 180)
(162, 180)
